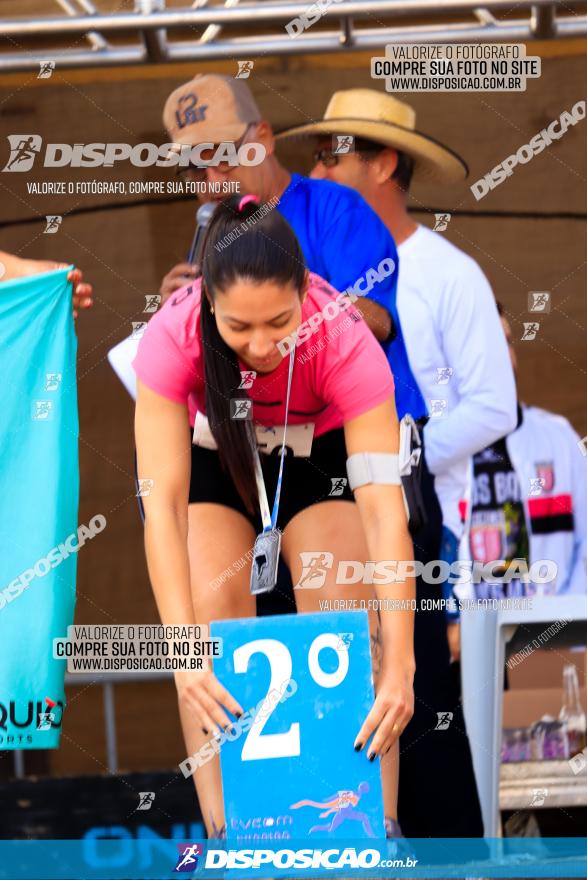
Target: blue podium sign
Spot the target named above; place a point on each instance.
(290, 770)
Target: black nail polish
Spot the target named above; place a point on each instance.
(239, 715)
(358, 747)
(205, 731)
(372, 756)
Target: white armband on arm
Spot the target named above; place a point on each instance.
(373, 467)
(389, 469)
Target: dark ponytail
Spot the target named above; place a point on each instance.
(263, 249)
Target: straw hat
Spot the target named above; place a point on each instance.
(367, 113)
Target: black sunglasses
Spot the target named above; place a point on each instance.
(200, 170)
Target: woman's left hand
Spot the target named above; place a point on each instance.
(82, 291)
(392, 709)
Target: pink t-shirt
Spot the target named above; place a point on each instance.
(340, 371)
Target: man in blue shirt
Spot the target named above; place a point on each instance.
(343, 240)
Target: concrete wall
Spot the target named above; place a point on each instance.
(527, 235)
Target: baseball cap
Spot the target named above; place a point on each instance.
(210, 108)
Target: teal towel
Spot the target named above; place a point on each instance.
(39, 494)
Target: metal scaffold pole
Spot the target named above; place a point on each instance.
(199, 30)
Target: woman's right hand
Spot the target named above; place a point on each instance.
(202, 693)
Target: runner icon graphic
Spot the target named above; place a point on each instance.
(342, 805)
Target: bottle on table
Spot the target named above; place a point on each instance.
(572, 711)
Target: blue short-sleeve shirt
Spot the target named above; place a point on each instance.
(345, 242)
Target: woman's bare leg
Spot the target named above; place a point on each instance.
(219, 540)
(335, 526)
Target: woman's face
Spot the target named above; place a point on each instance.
(252, 317)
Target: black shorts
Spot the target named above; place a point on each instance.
(306, 481)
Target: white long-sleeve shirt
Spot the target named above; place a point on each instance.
(459, 356)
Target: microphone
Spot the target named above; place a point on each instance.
(203, 216)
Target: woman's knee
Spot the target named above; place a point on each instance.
(220, 542)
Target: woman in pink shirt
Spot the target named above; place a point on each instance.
(213, 368)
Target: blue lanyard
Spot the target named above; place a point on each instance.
(270, 521)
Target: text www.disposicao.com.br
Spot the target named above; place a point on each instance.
(106, 664)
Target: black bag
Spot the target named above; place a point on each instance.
(410, 468)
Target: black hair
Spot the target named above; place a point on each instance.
(404, 169)
(257, 244)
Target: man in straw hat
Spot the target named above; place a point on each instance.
(368, 140)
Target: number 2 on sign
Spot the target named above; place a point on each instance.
(286, 745)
